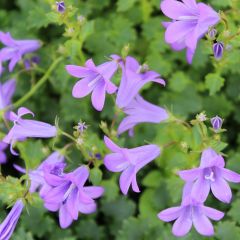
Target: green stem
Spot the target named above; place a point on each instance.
(38, 84)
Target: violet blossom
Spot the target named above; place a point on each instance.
(54, 163)
(134, 77)
(69, 196)
(140, 111)
(8, 225)
(191, 212)
(190, 21)
(3, 157)
(218, 49)
(61, 6)
(95, 80)
(211, 175)
(15, 49)
(7, 90)
(129, 162)
(26, 128)
(216, 123)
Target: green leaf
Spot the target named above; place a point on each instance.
(178, 81)
(214, 82)
(227, 230)
(95, 176)
(124, 5)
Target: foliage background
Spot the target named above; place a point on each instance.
(206, 85)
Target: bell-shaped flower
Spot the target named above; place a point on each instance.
(26, 128)
(211, 175)
(141, 111)
(15, 49)
(134, 77)
(190, 21)
(191, 212)
(129, 162)
(8, 225)
(7, 90)
(55, 165)
(95, 80)
(69, 195)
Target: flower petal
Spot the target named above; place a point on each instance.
(65, 218)
(126, 179)
(213, 213)
(78, 71)
(189, 175)
(230, 175)
(201, 189)
(93, 191)
(115, 162)
(170, 214)
(98, 96)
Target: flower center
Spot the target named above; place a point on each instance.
(68, 192)
(94, 81)
(187, 18)
(210, 177)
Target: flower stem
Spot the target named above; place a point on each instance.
(38, 84)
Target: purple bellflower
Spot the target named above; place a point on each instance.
(191, 212)
(140, 111)
(95, 80)
(134, 77)
(7, 90)
(54, 163)
(8, 225)
(190, 21)
(129, 162)
(25, 128)
(3, 157)
(61, 6)
(69, 195)
(211, 175)
(15, 49)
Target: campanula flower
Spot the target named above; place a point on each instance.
(191, 212)
(54, 163)
(211, 175)
(216, 123)
(3, 157)
(129, 162)
(15, 49)
(8, 225)
(140, 111)
(212, 33)
(190, 21)
(218, 49)
(95, 80)
(7, 90)
(134, 77)
(69, 195)
(26, 128)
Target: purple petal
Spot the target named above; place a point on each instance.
(213, 213)
(115, 162)
(78, 71)
(201, 223)
(189, 175)
(221, 190)
(79, 176)
(65, 218)
(201, 189)
(170, 214)
(98, 96)
(82, 88)
(111, 145)
(126, 179)
(230, 175)
(72, 204)
(94, 192)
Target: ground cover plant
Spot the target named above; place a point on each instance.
(119, 119)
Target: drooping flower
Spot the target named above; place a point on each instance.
(69, 195)
(134, 77)
(26, 128)
(95, 80)
(54, 163)
(7, 90)
(140, 111)
(15, 49)
(211, 175)
(61, 6)
(3, 157)
(190, 21)
(191, 212)
(8, 225)
(216, 123)
(218, 49)
(129, 162)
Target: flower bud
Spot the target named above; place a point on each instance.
(61, 6)
(212, 33)
(218, 49)
(216, 122)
